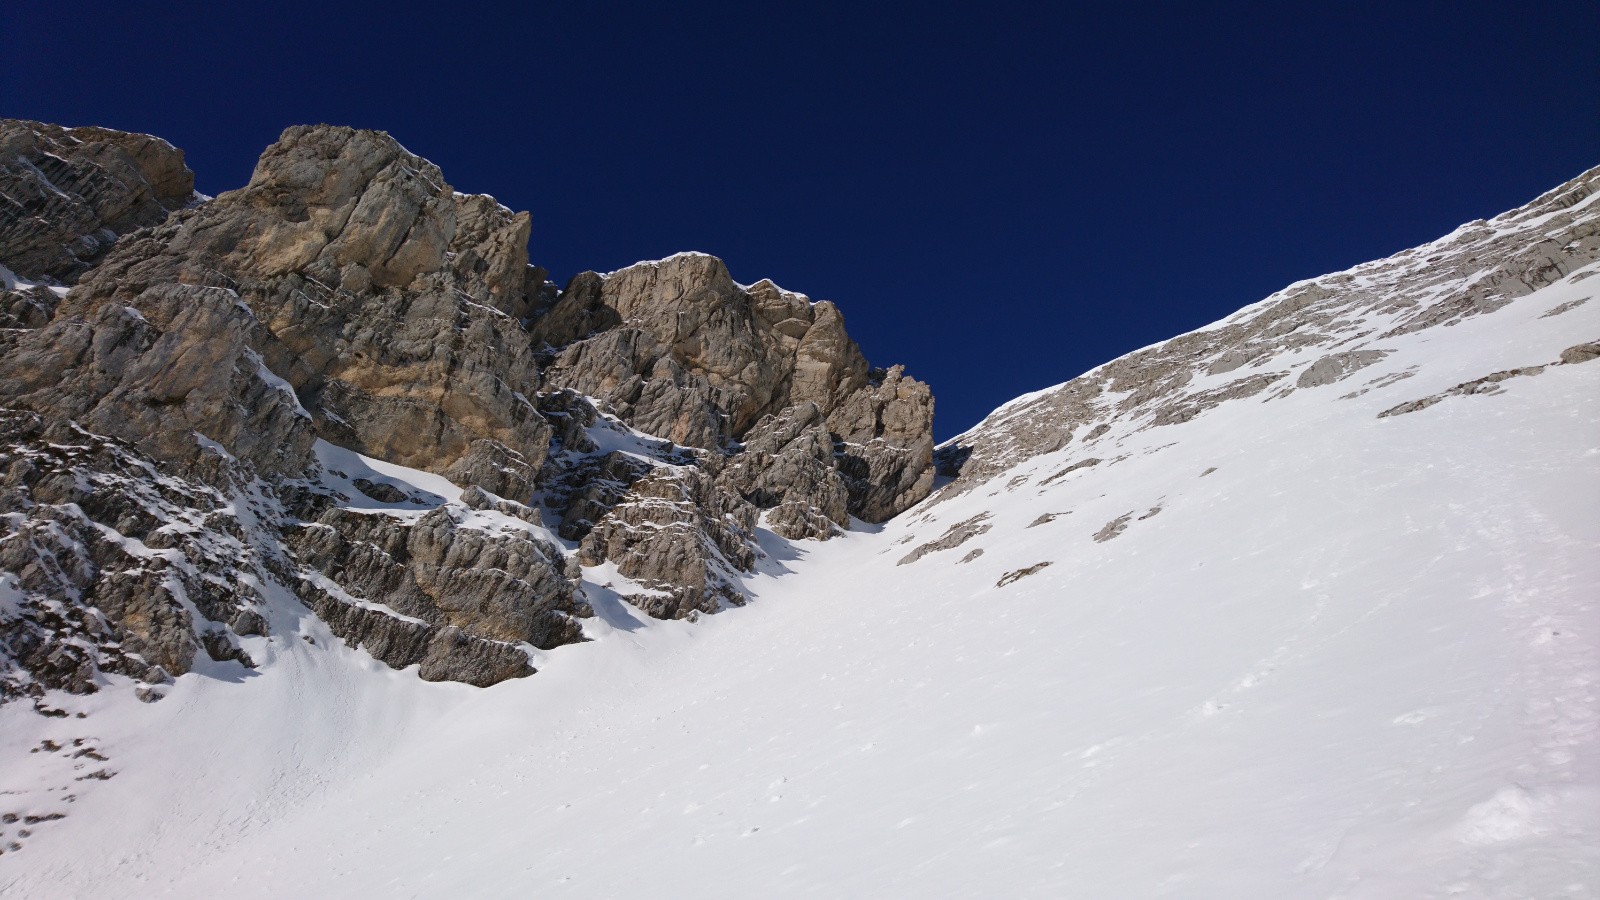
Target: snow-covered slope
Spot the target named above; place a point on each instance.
(1283, 646)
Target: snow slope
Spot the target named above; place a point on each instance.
(1313, 653)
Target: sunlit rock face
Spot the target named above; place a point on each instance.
(344, 387)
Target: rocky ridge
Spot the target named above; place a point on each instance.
(207, 401)
(1312, 335)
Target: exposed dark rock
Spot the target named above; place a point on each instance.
(1064, 472)
(1337, 367)
(86, 522)
(219, 647)
(788, 467)
(445, 569)
(677, 349)
(1488, 384)
(1568, 306)
(383, 493)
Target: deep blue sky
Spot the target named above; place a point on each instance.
(998, 196)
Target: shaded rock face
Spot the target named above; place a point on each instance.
(445, 567)
(107, 569)
(176, 426)
(789, 467)
(681, 539)
(67, 194)
(440, 654)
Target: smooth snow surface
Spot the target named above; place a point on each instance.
(1358, 659)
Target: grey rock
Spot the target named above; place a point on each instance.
(680, 538)
(220, 648)
(1488, 384)
(172, 399)
(67, 194)
(30, 307)
(597, 485)
(441, 653)
(954, 536)
(1068, 470)
(677, 349)
(383, 493)
(441, 568)
(1337, 367)
(78, 509)
(1113, 528)
(498, 469)
(788, 466)
(884, 444)
(1019, 574)
(1581, 353)
(248, 622)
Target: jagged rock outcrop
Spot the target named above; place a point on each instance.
(448, 566)
(349, 279)
(678, 349)
(362, 283)
(680, 538)
(67, 194)
(788, 467)
(221, 361)
(783, 410)
(440, 654)
(107, 567)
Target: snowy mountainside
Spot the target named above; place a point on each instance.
(1335, 640)
(1320, 331)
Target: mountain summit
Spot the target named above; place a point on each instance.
(1300, 603)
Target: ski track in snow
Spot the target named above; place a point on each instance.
(1358, 659)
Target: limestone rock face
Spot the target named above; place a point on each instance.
(788, 422)
(446, 568)
(346, 278)
(202, 434)
(175, 361)
(109, 566)
(440, 654)
(885, 432)
(676, 348)
(788, 467)
(69, 193)
(383, 299)
(496, 468)
(680, 538)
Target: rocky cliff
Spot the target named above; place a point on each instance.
(343, 390)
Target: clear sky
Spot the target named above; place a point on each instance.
(998, 195)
